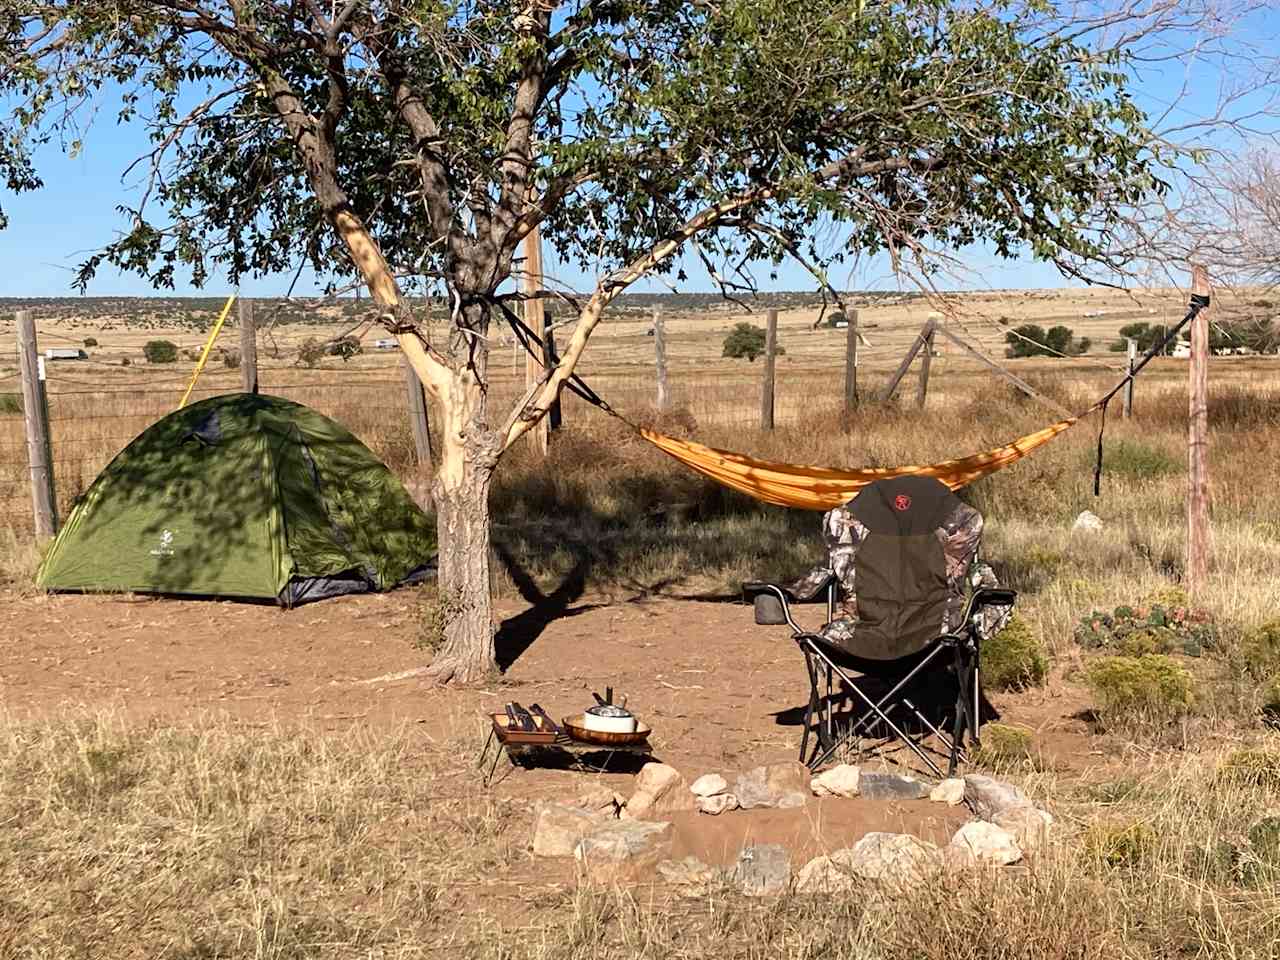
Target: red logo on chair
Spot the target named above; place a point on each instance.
(902, 503)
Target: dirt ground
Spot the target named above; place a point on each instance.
(722, 694)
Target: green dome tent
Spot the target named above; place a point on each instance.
(243, 496)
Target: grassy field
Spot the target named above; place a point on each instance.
(207, 838)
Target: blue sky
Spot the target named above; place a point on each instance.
(52, 230)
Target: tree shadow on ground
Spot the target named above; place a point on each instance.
(517, 634)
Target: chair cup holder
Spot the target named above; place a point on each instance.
(769, 610)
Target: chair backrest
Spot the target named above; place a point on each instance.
(900, 568)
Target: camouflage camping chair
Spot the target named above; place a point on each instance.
(908, 606)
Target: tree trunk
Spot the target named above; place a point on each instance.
(469, 455)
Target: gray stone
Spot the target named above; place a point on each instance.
(826, 875)
(897, 859)
(950, 792)
(781, 785)
(600, 800)
(720, 803)
(1029, 826)
(621, 848)
(559, 829)
(874, 785)
(988, 796)
(1087, 522)
(708, 785)
(762, 869)
(840, 781)
(659, 789)
(687, 872)
(980, 842)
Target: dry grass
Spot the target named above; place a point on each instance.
(221, 840)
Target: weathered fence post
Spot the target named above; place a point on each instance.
(1128, 387)
(926, 360)
(925, 336)
(35, 414)
(1198, 533)
(249, 348)
(850, 366)
(535, 318)
(660, 359)
(417, 413)
(770, 351)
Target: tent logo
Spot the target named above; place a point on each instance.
(166, 544)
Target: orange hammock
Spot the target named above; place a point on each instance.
(822, 488)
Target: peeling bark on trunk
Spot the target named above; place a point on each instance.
(469, 455)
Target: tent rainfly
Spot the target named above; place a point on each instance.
(243, 496)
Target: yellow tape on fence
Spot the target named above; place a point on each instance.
(217, 328)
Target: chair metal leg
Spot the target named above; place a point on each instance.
(810, 711)
(876, 708)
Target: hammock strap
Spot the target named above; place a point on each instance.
(1097, 467)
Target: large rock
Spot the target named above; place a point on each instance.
(950, 792)
(720, 803)
(841, 781)
(708, 785)
(827, 875)
(559, 829)
(659, 789)
(1028, 825)
(600, 800)
(896, 859)
(874, 785)
(980, 842)
(622, 848)
(762, 869)
(1087, 522)
(988, 797)
(777, 785)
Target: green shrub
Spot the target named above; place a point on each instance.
(1151, 686)
(1003, 743)
(90, 341)
(746, 340)
(310, 352)
(1163, 624)
(1139, 461)
(1271, 701)
(1264, 838)
(1015, 657)
(160, 351)
(1120, 845)
(10, 403)
(345, 347)
(1260, 651)
(231, 359)
(126, 362)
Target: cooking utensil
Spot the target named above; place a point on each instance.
(523, 715)
(608, 694)
(609, 719)
(547, 722)
(599, 699)
(575, 727)
(511, 717)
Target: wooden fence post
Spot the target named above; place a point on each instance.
(1128, 387)
(249, 348)
(660, 359)
(926, 360)
(1198, 533)
(535, 318)
(36, 416)
(770, 351)
(850, 366)
(925, 336)
(417, 413)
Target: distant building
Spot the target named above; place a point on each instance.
(390, 344)
(65, 353)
